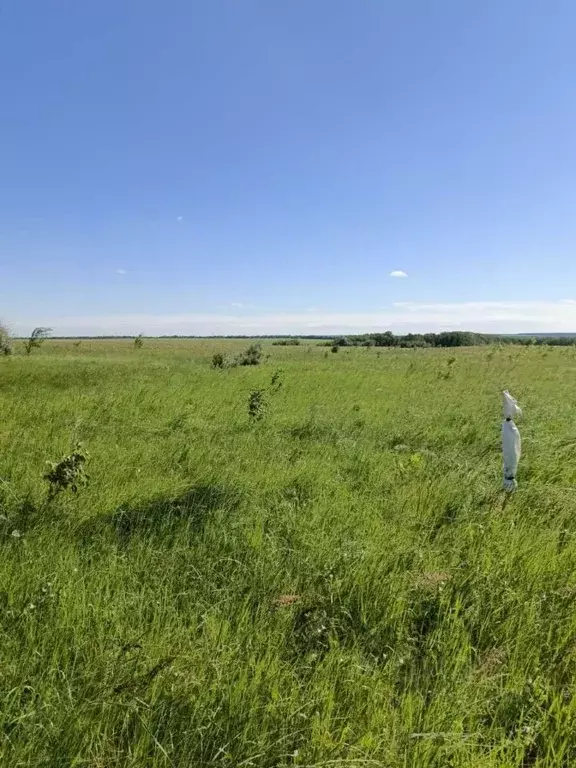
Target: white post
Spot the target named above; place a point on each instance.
(511, 443)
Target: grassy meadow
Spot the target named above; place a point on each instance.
(339, 583)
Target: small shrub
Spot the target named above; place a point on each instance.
(68, 472)
(77, 343)
(276, 381)
(335, 348)
(257, 404)
(251, 356)
(37, 338)
(218, 360)
(258, 398)
(5, 341)
(139, 341)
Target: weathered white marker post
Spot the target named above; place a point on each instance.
(511, 443)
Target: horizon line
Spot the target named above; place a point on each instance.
(312, 337)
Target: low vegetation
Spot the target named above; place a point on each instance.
(6, 346)
(286, 343)
(69, 472)
(36, 339)
(340, 583)
(253, 355)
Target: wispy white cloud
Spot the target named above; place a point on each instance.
(237, 304)
(179, 218)
(120, 271)
(402, 317)
(398, 273)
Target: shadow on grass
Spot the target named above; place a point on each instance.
(19, 519)
(163, 518)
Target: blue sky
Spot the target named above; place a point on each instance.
(250, 166)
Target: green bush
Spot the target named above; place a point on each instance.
(68, 472)
(251, 356)
(5, 341)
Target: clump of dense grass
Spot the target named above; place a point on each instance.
(259, 399)
(343, 585)
(257, 404)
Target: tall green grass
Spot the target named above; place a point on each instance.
(341, 583)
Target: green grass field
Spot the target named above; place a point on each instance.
(341, 583)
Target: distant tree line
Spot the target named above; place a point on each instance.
(445, 339)
(385, 339)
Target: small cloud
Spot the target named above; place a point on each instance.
(398, 273)
(179, 218)
(120, 271)
(237, 305)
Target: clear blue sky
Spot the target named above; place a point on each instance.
(253, 165)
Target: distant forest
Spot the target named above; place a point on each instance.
(388, 339)
(450, 339)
